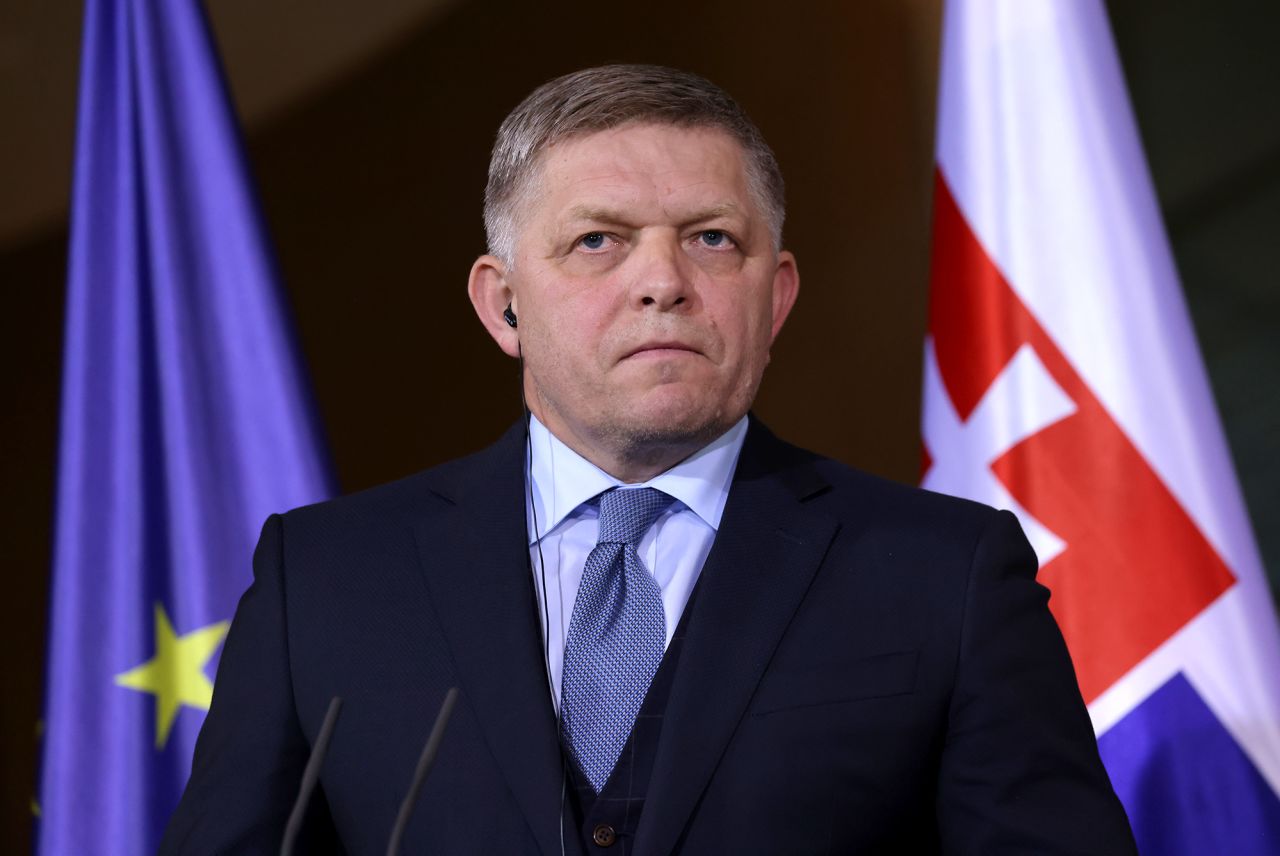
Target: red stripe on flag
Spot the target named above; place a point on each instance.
(1136, 568)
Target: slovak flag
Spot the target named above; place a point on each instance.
(1062, 381)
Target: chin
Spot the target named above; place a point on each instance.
(673, 424)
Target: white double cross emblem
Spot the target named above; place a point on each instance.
(1023, 400)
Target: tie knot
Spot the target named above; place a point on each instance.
(626, 514)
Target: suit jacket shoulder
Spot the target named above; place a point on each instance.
(897, 667)
(394, 505)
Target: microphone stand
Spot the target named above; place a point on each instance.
(310, 775)
(428, 758)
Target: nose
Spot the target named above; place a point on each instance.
(662, 275)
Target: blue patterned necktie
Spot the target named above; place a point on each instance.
(616, 636)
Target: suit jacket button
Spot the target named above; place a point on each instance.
(604, 835)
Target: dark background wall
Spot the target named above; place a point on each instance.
(371, 185)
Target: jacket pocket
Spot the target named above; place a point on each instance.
(787, 687)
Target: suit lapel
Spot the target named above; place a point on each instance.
(766, 553)
(474, 555)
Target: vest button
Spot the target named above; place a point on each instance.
(604, 835)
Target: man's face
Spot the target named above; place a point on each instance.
(647, 288)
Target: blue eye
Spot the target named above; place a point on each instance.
(593, 241)
(714, 238)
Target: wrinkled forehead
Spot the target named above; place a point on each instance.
(704, 162)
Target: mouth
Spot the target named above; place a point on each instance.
(659, 349)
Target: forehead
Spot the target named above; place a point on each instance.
(641, 164)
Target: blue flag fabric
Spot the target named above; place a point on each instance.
(185, 422)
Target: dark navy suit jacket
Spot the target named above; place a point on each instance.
(869, 668)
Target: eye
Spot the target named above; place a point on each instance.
(714, 238)
(593, 241)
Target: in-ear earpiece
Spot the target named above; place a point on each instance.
(509, 316)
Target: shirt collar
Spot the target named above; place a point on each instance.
(562, 479)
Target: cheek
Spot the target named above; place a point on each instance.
(744, 326)
(574, 355)
(570, 325)
(584, 308)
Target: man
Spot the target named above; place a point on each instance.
(672, 632)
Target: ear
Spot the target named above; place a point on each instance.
(786, 287)
(490, 294)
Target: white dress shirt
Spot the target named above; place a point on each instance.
(674, 549)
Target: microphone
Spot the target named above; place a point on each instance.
(424, 766)
(310, 775)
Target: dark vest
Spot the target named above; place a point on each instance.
(607, 822)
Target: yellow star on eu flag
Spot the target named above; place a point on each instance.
(175, 675)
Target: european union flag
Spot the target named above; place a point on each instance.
(185, 422)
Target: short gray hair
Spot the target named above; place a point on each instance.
(597, 99)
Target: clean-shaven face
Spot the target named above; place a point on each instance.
(647, 286)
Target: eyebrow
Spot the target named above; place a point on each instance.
(619, 218)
